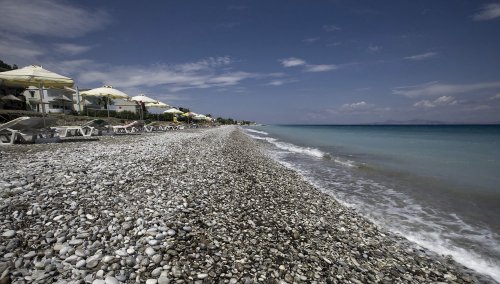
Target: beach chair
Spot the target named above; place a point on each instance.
(154, 126)
(90, 128)
(27, 129)
(133, 127)
(71, 131)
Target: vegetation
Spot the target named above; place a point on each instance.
(6, 67)
(229, 121)
(105, 102)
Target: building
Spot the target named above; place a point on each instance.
(120, 105)
(67, 101)
(55, 100)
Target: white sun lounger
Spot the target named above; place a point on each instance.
(132, 127)
(154, 127)
(21, 128)
(70, 131)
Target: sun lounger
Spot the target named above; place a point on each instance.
(154, 127)
(90, 128)
(70, 131)
(26, 129)
(132, 127)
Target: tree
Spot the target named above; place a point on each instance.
(105, 101)
(184, 110)
(6, 67)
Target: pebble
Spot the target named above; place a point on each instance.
(80, 263)
(202, 276)
(9, 234)
(194, 206)
(163, 280)
(111, 280)
(149, 251)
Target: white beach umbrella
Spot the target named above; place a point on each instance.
(106, 91)
(199, 117)
(157, 104)
(143, 99)
(173, 111)
(10, 98)
(63, 99)
(35, 75)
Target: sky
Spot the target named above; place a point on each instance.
(279, 61)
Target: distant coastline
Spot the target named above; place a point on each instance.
(415, 122)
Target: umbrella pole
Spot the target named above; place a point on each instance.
(107, 105)
(40, 89)
(78, 99)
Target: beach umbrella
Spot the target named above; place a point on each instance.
(106, 91)
(157, 104)
(85, 102)
(190, 114)
(63, 99)
(35, 75)
(143, 99)
(10, 98)
(173, 111)
(199, 117)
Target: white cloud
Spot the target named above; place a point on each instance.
(204, 64)
(374, 48)
(488, 12)
(495, 97)
(481, 107)
(437, 89)
(72, 66)
(292, 62)
(320, 68)
(72, 49)
(206, 73)
(49, 18)
(360, 108)
(441, 101)
(311, 40)
(334, 44)
(279, 82)
(276, 82)
(422, 56)
(331, 28)
(17, 49)
(356, 106)
(424, 104)
(445, 100)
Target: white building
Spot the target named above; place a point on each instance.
(67, 101)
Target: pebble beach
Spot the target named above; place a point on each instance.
(193, 206)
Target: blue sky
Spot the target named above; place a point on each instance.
(283, 61)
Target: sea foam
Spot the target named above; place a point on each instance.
(256, 131)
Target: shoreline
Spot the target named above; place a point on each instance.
(199, 205)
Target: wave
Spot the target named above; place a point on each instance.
(309, 151)
(401, 214)
(256, 131)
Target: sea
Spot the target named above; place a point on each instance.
(436, 185)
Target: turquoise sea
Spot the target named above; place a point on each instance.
(438, 186)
